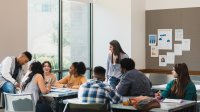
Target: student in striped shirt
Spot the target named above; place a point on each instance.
(96, 91)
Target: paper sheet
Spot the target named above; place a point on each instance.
(186, 44)
(154, 51)
(162, 60)
(166, 100)
(165, 39)
(170, 58)
(152, 40)
(178, 34)
(178, 49)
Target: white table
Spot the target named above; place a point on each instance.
(56, 94)
(61, 93)
(165, 107)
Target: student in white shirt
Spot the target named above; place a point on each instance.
(11, 71)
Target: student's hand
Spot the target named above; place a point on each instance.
(108, 89)
(158, 96)
(48, 87)
(17, 85)
(69, 85)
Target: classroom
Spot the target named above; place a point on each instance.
(64, 32)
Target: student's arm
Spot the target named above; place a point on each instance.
(190, 92)
(41, 84)
(6, 66)
(83, 80)
(166, 92)
(112, 95)
(108, 66)
(62, 81)
(124, 85)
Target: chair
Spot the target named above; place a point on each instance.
(19, 102)
(76, 106)
(1, 100)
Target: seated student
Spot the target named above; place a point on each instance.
(11, 71)
(50, 79)
(48, 76)
(181, 87)
(34, 83)
(75, 77)
(133, 82)
(95, 91)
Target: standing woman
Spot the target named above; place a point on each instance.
(35, 84)
(75, 77)
(48, 76)
(113, 72)
(180, 88)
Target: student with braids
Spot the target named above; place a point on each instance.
(180, 88)
(35, 84)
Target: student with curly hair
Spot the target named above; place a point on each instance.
(75, 77)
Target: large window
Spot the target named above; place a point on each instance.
(43, 30)
(60, 32)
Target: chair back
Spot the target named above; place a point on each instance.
(85, 107)
(19, 102)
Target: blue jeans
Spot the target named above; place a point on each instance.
(113, 81)
(8, 87)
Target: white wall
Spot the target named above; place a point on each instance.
(169, 4)
(138, 33)
(13, 27)
(112, 20)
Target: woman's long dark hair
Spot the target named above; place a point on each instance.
(117, 49)
(36, 68)
(182, 80)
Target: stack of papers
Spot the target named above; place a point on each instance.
(166, 100)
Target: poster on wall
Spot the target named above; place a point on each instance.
(154, 51)
(152, 40)
(186, 44)
(178, 34)
(162, 60)
(165, 39)
(178, 49)
(170, 58)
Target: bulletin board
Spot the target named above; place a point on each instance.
(187, 19)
